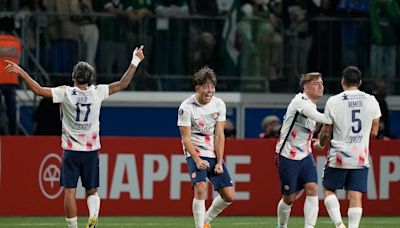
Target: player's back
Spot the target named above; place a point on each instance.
(351, 113)
(80, 116)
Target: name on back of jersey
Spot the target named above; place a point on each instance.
(355, 139)
(355, 104)
(81, 126)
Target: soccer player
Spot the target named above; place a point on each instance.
(201, 119)
(354, 118)
(80, 110)
(297, 170)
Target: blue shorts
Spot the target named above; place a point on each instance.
(219, 181)
(294, 174)
(82, 164)
(349, 179)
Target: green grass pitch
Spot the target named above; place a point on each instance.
(161, 222)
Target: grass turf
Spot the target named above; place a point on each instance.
(161, 222)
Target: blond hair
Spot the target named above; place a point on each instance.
(306, 78)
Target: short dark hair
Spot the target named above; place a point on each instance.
(83, 73)
(203, 76)
(351, 76)
(305, 78)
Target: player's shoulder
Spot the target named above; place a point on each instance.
(63, 87)
(338, 97)
(188, 102)
(217, 100)
(299, 99)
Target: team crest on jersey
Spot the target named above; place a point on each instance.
(215, 115)
(180, 111)
(193, 175)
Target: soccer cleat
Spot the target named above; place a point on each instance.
(341, 226)
(207, 225)
(92, 222)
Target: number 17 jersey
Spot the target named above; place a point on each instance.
(80, 111)
(351, 113)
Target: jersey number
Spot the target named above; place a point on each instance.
(356, 126)
(78, 111)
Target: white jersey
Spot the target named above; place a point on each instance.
(80, 111)
(298, 143)
(202, 120)
(351, 113)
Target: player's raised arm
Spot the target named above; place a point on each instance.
(12, 67)
(137, 57)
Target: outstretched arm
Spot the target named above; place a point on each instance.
(12, 67)
(117, 86)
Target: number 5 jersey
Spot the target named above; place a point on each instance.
(351, 113)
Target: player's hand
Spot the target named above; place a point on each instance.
(218, 169)
(317, 145)
(137, 56)
(202, 164)
(12, 67)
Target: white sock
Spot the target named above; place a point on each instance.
(311, 208)
(283, 213)
(199, 211)
(217, 206)
(72, 222)
(354, 214)
(333, 207)
(93, 203)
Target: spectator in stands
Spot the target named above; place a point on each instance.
(113, 51)
(31, 23)
(384, 15)
(170, 40)
(249, 54)
(63, 32)
(380, 93)
(205, 35)
(10, 49)
(270, 41)
(214, 40)
(353, 32)
(271, 126)
(295, 15)
(89, 33)
(141, 30)
(325, 50)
